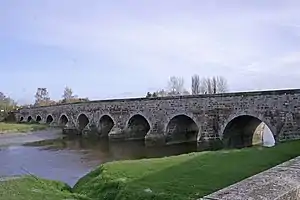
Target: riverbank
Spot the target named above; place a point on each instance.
(17, 128)
(19, 138)
(33, 188)
(187, 176)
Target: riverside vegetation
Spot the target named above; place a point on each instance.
(20, 127)
(187, 176)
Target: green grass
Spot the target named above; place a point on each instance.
(188, 176)
(33, 188)
(20, 127)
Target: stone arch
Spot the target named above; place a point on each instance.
(38, 118)
(181, 128)
(29, 118)
(137, 126)
(49, 119)
(246, 130)
(63, 120)
(106, 123)
(82, 121)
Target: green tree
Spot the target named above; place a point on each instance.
(154, 94)
(6, 105)
(148, 95)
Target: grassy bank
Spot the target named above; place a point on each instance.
(20, 127)
(36, 189)
(181, 177)
(188, 176)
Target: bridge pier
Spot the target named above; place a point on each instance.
(209, 144)
(155, 139)
(116, 134)
(70, 131)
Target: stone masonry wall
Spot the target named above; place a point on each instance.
(280, 110)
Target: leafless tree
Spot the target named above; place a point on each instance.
(222, 84)
(162, 93)
(42, 96)
(203, 86)
(68, 95)
(214, 85)
(175, 86)
(195, 84)
(209, 86)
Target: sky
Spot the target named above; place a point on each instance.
(124, 48)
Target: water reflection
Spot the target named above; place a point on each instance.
(103, 150)
(68, 158)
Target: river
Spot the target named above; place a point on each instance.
(52, 155)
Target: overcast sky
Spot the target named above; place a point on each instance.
(112, 49)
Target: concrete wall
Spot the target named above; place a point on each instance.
(279, 110)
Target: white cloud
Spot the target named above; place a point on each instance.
(242, 43)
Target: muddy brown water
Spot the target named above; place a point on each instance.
(55, 156)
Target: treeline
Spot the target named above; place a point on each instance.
(175, 87)
(42, 97)
(205, 85)
(6, 105)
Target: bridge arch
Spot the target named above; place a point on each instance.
(245, 130)
(181, 128)
(29, 118)
(63, 120)
(82, 121)
(38, 118)
(138, 126)
(106, 123)
(21, 119)
(49, 119)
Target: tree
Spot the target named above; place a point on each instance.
(162, 93)
(154, 95)
(222, 85)
(195, 84)
(69, 97)
(42, 97)
(175, 86)
(214, 85)
(6, 105)
(68, 94)
(148, 95)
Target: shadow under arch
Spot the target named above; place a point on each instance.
(106, 123)
(137, 127)
(49, 119)
(63, 120)
(21, 119)
(181, 128)
(82, 121)
(246, 131)
(29, 119)
(38, 118)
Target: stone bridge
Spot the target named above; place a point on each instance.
(213, 121)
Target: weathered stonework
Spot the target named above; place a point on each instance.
(279, 110)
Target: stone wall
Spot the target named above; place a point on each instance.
(279, 110)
